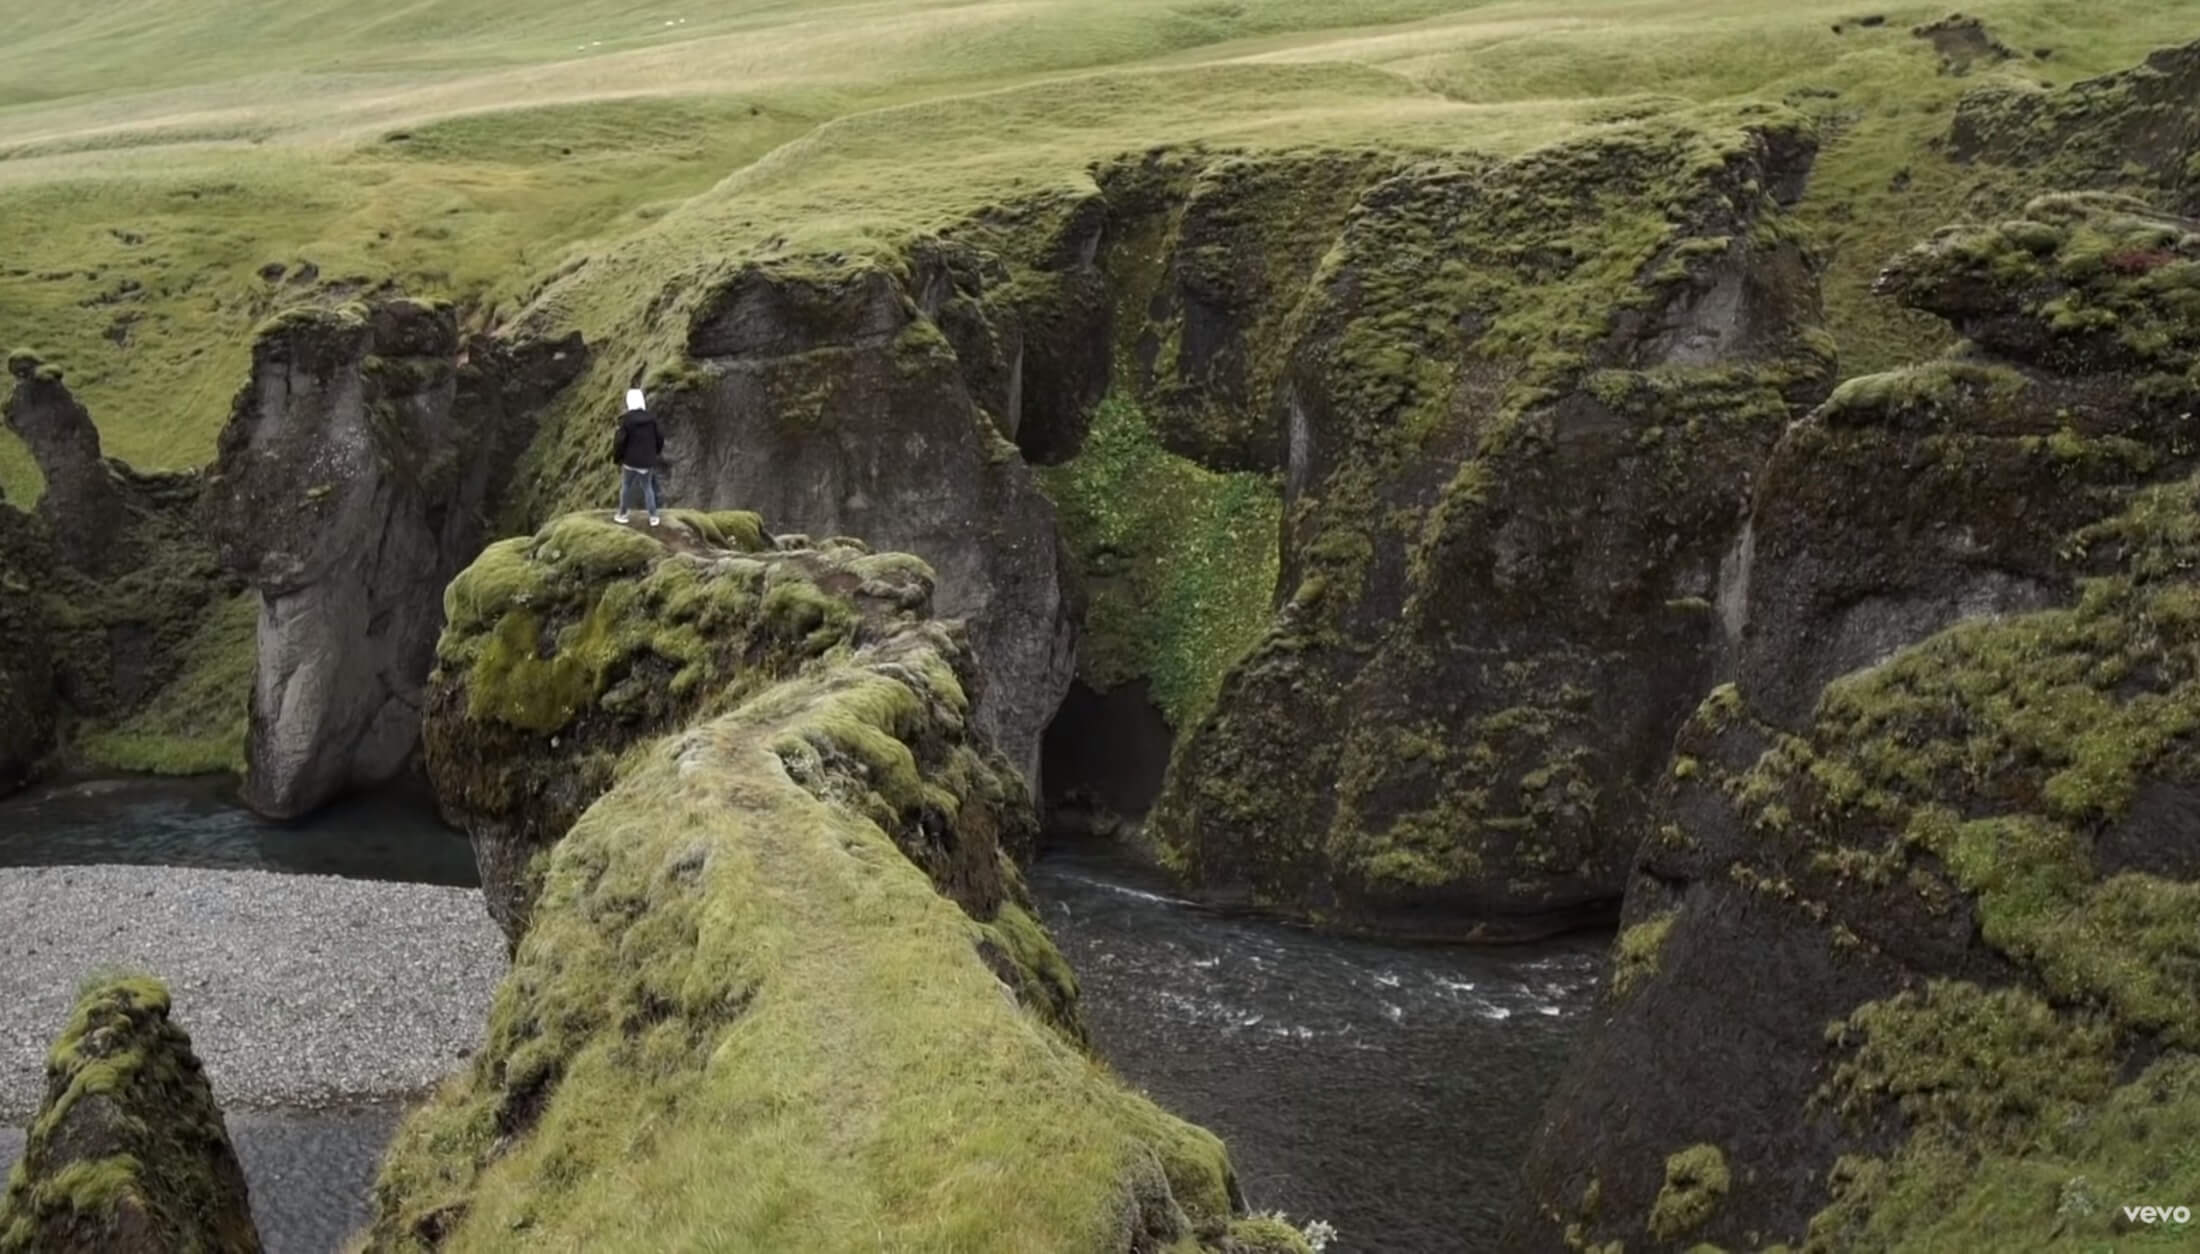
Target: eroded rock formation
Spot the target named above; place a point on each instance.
(82, 505)
(105, 588)
(355, 477)
(128, 1154)
(1909, 960)
(1517, 423)
(777, 980)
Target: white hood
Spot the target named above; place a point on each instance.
(634, 399)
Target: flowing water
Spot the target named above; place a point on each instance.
(198, 823)
(1389, 1090)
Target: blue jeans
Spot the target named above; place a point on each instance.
(637, 483)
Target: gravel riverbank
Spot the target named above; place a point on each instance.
(298, 991)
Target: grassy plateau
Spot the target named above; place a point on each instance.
(156, 159)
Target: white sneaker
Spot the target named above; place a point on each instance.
(655, 521)
(619, 517)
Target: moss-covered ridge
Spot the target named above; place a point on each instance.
(563, 650)
(127, 1154)
(1521, 404)
(779, 985)
(1912, 944)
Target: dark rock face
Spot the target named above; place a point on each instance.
(1518, 431)
(81, 505)
(27, 704)
(354, 479)
(834, 407)
(128, 1154)
(1910, 947)
(736, 811)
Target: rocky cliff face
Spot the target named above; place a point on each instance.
(833, 401)
(128, 1154)
(109, 585)
(27, 706)
(776, 978)
(355, 478)
(1908, 961)
(1517, 418)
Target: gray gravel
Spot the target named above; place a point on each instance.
(298, 991)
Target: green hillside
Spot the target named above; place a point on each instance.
(157, 159)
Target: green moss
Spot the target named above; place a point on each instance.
(2062, 1191)
(514, 684)
(1268, 1234)
(1181, 562)
(504, 577)
(128, 1124)
(587, 615)
(1696, 1182)
(737, 957)
(1936, 392)
(593, 547)
(1992, 1066)
(197, 723)
(1635, 958)
(1050, 986)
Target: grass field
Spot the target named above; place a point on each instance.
(155, 157)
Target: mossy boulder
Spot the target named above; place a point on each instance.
(777, 983)
(1519, 411)
(355, 477)
(128, 1153)
(1922, 879)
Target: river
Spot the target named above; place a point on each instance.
(1389, 1090)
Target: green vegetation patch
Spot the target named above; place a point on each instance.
(1696, 1181)
(1181, 561)
(196, 724)
(1636, 956)
(2062, 1190)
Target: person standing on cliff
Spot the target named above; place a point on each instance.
(638, 448)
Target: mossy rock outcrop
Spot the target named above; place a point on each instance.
(2134, 130)
(1517, 413)
(777, 982)
(1911, 948)
(128, 1154)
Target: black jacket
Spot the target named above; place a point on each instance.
(639, 443)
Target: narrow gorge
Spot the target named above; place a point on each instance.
(1380, 544)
